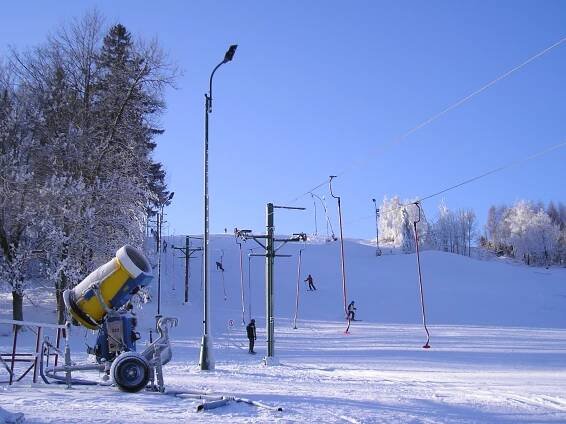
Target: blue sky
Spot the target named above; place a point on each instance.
(321, 86)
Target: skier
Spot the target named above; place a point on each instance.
(311, 285)
(219, 266)
(351, 309)
(250, 329)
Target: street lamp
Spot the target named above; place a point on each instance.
(206, 360)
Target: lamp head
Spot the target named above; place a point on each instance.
(230, 53)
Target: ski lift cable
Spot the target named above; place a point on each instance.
(495, 170)
(298, 287)
(508, 165)
(250, 251)
(356, 164)
(222, 272)
(328, 222)
(242, 282)
(315, 220)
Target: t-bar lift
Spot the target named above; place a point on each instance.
(267, 242)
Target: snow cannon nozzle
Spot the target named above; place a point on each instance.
(109, 287)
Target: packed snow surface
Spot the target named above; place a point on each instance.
(498, 344)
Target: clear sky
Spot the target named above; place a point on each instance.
(317, 87)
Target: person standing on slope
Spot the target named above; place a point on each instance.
(250, 329)
(351, 309)
(311, 285)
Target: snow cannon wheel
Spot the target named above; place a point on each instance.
(130, 372)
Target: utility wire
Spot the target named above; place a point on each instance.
(470, 180)
(359, 163)
(493, 171)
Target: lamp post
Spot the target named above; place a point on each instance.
(206, 361)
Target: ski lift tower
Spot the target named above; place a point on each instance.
(267, 242)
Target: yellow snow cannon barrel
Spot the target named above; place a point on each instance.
(113, 283)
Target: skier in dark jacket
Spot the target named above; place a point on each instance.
(311, 285)
(250, 329)
(351, 309)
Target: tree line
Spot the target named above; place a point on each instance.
(79, 118)
(452, 231)
(531, 232)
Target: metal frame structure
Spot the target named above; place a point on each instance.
(187, 253)
(270, 253)
(157, 354)
(33, 358)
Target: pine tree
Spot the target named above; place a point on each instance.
(91, 118)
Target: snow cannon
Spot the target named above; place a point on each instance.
(102, 301)
(109, 287)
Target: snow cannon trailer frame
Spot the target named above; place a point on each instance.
(130, 371)
(102, 301)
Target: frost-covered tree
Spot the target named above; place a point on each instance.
(92, 105)
(454, 231)
(17, 190)
(443, 231)
(497, 231)
(531, 233)
(407, 232)
(468, 227)
(396, 224)
(391, 222)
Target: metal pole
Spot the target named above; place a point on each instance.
(426, 345)
(38, 353)
(377, 250)
(250, 285)
(67, 353)
(206, 361)
(159, 224)
(342, 265)
(269, 262)
(187, 257)
(315, 222)
(242, 285)
(14, 344)
(58, 344)
(297, 297)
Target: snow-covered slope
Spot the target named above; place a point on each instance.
(498, 343)
(458, 290)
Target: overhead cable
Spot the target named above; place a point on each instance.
(357, 164)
